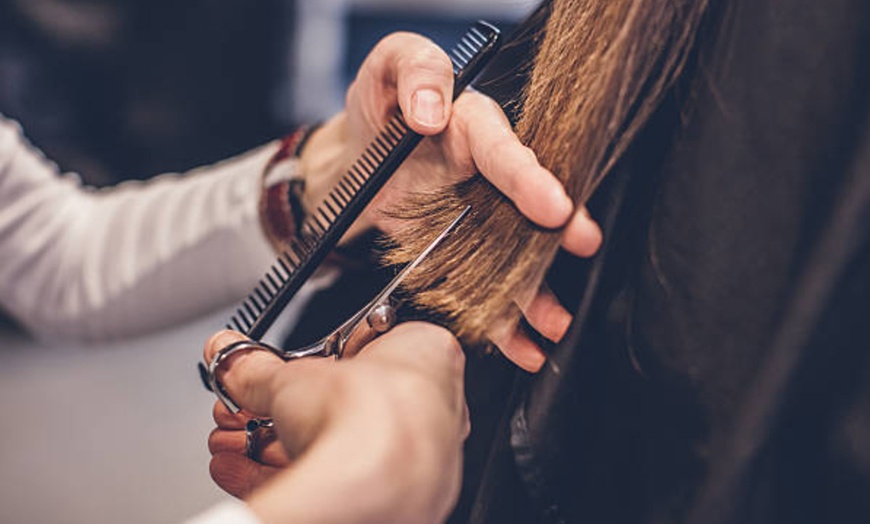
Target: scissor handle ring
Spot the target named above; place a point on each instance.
(225, 353)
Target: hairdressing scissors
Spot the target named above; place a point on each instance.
(324, 228)
(373, 319)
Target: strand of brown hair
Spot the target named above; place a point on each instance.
(602, 68)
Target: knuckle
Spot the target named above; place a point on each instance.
(444, 343)
(497, 162)
(484, 101)
(431, 59)
(447, 340)
(213, 441)
(398, 39)
(438, 334)
(218, 341)
(217, 413)
(479, 106)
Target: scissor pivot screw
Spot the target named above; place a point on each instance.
(382, 318)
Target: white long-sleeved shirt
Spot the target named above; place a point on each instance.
(85, 264)
(228, 512)
(96, 264)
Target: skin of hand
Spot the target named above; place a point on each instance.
(407, 72)
(373, 438)
(381, 433)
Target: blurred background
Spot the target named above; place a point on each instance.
(120, 89)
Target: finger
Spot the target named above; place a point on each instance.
(511, 167)
(246, 376)
(417, 71)
(517, 347)
(269, 453)
(547, 316)
(238, 475)
(227, 420)
(582, 235)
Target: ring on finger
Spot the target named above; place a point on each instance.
(258, 432)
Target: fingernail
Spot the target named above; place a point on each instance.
(427, 107)
(534, 362)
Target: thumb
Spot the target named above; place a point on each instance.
(413, 69)
(426, 351)
(246, 375)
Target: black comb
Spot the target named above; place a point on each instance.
(322, 230)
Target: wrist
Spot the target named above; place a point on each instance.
(281, 208)
(406, 465)
(307, 166)
(324, 160)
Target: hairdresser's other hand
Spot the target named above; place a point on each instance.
(473, 135)
(374, 438)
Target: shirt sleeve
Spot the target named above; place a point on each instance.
(95, 264)
(229, 512)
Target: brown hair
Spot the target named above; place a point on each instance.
(601, 70)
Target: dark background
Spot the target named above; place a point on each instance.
(127, 89)
(118, 89)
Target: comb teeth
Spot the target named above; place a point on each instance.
(323, 228)
(467, 49)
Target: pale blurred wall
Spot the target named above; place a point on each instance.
(117, 433)
(113, 433)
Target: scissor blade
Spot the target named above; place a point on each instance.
(397, 281)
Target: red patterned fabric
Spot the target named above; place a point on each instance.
(281, 211)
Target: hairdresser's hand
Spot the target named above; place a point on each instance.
(374, 438)
(473, 135)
